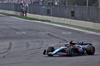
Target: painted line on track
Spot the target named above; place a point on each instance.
(96, 33)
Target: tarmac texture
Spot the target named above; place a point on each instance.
(22, 43)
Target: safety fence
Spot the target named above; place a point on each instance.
(72, 12)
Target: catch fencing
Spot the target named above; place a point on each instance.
(72, 12)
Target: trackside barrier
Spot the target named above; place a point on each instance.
(97, 26)
(78, 23)
(90, 25)
(10, 12)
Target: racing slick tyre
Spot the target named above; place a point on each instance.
(90, 50)
(70, 51)
(50, 49)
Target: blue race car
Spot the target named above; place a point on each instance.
(71, 49)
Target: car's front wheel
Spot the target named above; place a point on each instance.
(70, 51)
(50, 49)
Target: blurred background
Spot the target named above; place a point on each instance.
(57, 2)
(88, 10)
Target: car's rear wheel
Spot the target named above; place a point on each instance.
(90, 50)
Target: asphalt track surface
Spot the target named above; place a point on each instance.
(29, 39)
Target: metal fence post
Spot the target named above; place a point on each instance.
(99, 3)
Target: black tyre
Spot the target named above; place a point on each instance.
(50, 49)
(90, 50)
(70, 51)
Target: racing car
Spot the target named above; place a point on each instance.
(71, 49)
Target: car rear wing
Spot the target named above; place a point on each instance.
(83, 43)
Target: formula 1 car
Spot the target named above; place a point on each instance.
(71, 49)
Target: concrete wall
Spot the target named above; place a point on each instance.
(81, 23)
(10, 12)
